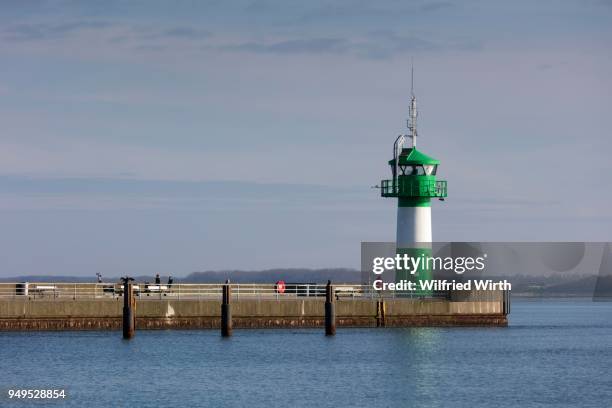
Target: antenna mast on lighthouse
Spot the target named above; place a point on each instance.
(412, 121)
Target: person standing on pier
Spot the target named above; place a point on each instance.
(157, 279)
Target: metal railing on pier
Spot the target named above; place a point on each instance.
(213, 291)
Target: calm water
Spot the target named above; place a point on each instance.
(555, 353)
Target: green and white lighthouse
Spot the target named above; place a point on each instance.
(414, 184)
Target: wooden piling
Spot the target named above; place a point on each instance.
(330, 310)
(129, 306)
(506, 302)
(380, 313)
(226, 310)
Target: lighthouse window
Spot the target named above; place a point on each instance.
(407, 170)
(430, 169)
(412, 170)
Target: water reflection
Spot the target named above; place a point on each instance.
(417, 351)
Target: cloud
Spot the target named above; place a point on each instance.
(135, 37)
(40, 31)
(150, 47)
(298, 46)
(435, 6)
(386, 44)
(337, 13)
(381, 44)
(27, 192)
(159, 39)
(187, 32)
(376, 45)
(365, 11)
(259, 6)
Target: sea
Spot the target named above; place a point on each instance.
(554, 353)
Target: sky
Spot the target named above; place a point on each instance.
(151, 137)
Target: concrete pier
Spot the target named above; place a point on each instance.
(106, 314)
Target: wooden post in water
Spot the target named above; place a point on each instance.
(506, 302)
(129, 304)
(226, 310)
(330, 310)
(380, 313)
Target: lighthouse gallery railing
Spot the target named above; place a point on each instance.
(413, 188)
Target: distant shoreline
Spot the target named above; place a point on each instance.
(554, 286)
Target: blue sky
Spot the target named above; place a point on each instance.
(143, 137)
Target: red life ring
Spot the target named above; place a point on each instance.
(280, 286)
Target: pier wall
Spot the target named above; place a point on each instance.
(105, 314)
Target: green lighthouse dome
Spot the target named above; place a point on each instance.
(412, 162)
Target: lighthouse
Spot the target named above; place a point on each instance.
(414, 184)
